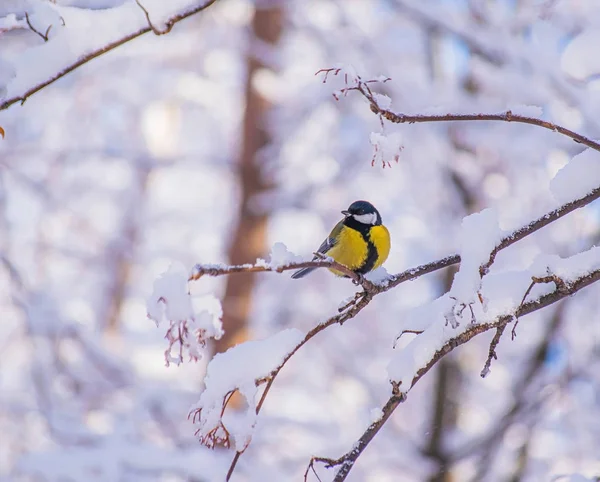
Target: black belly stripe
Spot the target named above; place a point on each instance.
(371, 256)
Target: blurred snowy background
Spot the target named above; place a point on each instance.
(215, 141)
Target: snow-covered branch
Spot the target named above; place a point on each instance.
(65, 50)
(567, 288)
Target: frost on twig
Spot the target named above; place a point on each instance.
(243, 368)
(191, 320)
(386, 146)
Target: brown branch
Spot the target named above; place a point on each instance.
(85, 58)
(539, 223)
(348, 460)
(220, 270)
(363, 87)
(507, 116)
(338, 319)
(492, 351)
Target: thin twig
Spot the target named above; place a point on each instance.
(311, 465)
(155, 30)
(492, 351)
(44, 36)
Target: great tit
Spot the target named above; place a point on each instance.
(359, 241)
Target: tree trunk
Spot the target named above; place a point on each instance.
(250, 234)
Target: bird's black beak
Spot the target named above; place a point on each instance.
(346, 213)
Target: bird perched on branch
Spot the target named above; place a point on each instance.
(359, 241)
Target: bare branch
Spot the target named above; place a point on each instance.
(220, 270)
(507, 116)
(85, 58)
(492, 352)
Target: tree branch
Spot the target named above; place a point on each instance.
(363, 87)
(347, 461)
(371, 290)
(85, 58)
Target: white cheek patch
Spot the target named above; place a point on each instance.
(370, 218)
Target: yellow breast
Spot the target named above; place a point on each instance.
(350, 249)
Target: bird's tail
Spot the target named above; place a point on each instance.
(301, 273)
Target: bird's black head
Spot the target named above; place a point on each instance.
(363, 212)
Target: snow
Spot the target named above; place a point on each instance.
(279, 256)
(405, 364)
(502, 293)
(383, 101)
(192, 320)
(579, 58)
(239, 368)
(526, 110)
(379, 276)
(386, 147)
(170, 299)
(579, 177)
(567, 269)
(479, 235)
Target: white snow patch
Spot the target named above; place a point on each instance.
(479, 235)
(379, 276)
(239, 368)
(579, 177)
(526, 110)
(170, 299)
(192, 320)
(406, 363)
(279, 256)
(386, 147)
(580, 58)
(567, 269)
(383, 101)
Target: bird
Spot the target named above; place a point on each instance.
(359, 241)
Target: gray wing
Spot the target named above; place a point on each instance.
(326, 245)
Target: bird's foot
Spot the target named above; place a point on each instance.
(359, 280)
